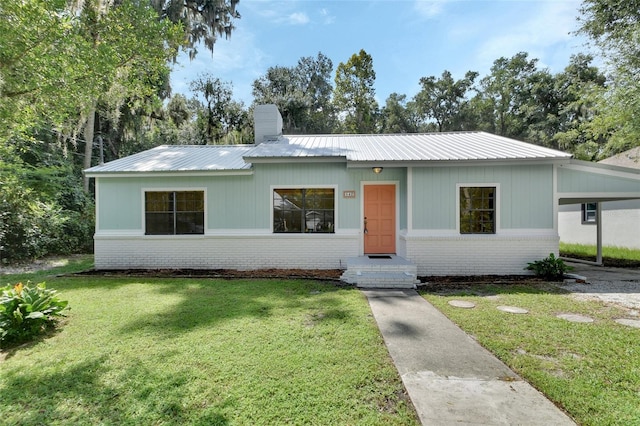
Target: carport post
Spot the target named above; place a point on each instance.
(599, 233)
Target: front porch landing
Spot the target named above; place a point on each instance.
(380, 271)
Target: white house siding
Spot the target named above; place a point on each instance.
(620, 225)
(478, 255)
(240, 252)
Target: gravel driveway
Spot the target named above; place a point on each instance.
(611, 285)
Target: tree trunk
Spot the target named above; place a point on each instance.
(88, 133)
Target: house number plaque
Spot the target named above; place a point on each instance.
(349, 194)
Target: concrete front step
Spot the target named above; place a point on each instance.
(386, 280)
(394, 272)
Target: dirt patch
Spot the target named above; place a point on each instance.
(43, 264)
(484, 285)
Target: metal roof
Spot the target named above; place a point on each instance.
(428, 147)
(458, 146)
(179, 158)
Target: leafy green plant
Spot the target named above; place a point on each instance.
(550, 268)
(27, 311)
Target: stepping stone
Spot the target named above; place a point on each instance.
(462, 304)
(512, 309)
(575, 318)
(629, 322)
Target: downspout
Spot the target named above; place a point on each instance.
(599, 233)
(409, 200)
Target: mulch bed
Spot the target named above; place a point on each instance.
(323, 275)
(432, 283)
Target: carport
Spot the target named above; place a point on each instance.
(578, 182)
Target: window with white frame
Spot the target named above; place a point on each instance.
(477, 210)
(174, 212)
(300, 210)
(589, 213)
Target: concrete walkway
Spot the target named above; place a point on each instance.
(450, 378)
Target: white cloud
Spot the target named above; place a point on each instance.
(279, 13)
(327, 17)
(298, 18)
(430, 8)
(544, 30)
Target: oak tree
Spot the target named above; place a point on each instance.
(354, 94)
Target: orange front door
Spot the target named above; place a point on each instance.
(380, 219)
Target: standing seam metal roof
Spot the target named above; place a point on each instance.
(458, 146)
(180, 158)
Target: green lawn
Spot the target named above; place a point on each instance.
(200, 351)
(611, 256)
(592, 370)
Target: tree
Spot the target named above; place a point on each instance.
(539, 108)
(315, 74)
(188, 22)
(217, 95)
(133, 48)
(202, 20)
(502, 94)
(282, 86)
(610, 22)
(578, 87)
(178, 124)
(178, 110)
(302, 94)
(614, 26)
(398, 116)
(444, 100)
(354, 95)
(45, 74)
(78, 66)
(222, 115)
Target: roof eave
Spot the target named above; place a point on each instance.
(172, 173)
(449, 163)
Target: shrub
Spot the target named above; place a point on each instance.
(27, 311)
(550, 268)
(32, 228)
(20, 221)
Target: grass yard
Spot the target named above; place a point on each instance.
(201, 351)
(611, 256)
(592, 370)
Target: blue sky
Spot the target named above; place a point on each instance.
(407, 39)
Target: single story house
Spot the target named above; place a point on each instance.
(620, 219)
(467, 203)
